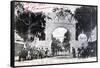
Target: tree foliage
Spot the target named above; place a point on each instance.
(66, 40)
(30, 21)
(87, 19)
(61, 13)
(27, 22)
(66, 37)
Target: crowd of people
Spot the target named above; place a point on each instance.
(39, 53)
(85, 52)
(33, 53)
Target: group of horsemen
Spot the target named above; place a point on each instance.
(39, 53)
(85, 52)
(33, 53)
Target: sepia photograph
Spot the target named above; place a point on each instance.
(54, 33)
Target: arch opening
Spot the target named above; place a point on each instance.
(60, 41)
(58, 33)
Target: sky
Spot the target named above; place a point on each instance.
(37, 7)
(59, 33)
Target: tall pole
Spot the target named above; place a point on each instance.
(29, 27)
(91, 26)
(28, 34)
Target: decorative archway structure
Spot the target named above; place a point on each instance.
(66, 21)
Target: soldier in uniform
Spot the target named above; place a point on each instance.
(79, 50)
(73, 52)
(23, 54)
(46, 52)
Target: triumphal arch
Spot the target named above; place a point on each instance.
(60, 18)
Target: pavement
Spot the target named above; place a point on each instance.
(53, 60)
